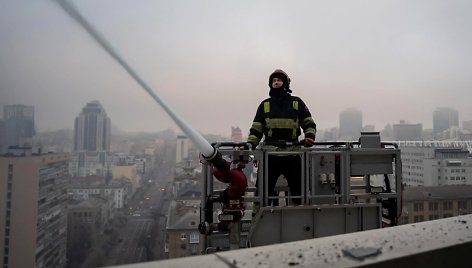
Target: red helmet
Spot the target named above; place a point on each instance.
(279, 73)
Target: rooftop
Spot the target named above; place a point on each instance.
(438, 192)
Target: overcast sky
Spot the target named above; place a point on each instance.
(210, 60)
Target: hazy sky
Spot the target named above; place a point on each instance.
(210, 60)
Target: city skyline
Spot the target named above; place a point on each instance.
(339, 55)
(229, 128)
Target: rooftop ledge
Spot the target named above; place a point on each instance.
(439, 243)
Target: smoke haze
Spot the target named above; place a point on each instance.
(210, 60)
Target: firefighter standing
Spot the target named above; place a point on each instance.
(279, 119)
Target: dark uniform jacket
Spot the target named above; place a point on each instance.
(280, 119)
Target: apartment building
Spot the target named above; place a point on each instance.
(431, 203)
(88, 220)
(119, 191)
(182, 235)
(427, 165)
(33, 206)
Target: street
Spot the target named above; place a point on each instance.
(132, 249)
(142, 238)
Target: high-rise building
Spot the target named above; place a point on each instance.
(182, 148)
(91, 142)
(407, 132)
(443, 119)
(92, 129)
(17, 127)
(350, 124)
(33, 202)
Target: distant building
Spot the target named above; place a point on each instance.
(182, 149)
(407, 132)
(57, 141)
(428, 134)
(431, 203)
(350, 124)
(452, 133)
(122, 159)
(92, 129)
(368, 128)
(88, 220)
(17, 128)
(128, 172)
(467, 125)
(118, 191)
(331, 134)
(83, 164)
(434, 164)
(141, 165)
(33, 202)
(3, 146)
(387, 133)
(236, 134)
(444, 118)
(182, 235)
(92, 136)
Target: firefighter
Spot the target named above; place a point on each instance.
(279, 119)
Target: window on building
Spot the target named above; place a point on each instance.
(433, 217)
(462, 204)
(433, 206)
(447, 215)
(418, 218)
(183, 236)
(418, 207)
(447, 205)
(195, 237)
(404, 220)
(194, 249)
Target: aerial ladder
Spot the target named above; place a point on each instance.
(346, 187)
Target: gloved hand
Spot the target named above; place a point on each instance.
(309, 142)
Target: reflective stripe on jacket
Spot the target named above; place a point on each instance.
(280, 120)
